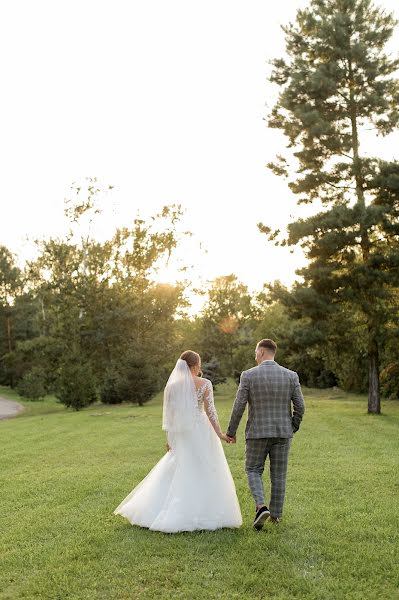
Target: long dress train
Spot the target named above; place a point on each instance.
(191, 487)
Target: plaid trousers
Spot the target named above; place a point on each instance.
(257, 451)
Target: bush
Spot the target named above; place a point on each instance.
(212, 370)
(110, 390)
(390, 380)
(76, 385)
(134, 381)
(41, 354)
(32, 385)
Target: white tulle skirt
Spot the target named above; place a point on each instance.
(190, 488)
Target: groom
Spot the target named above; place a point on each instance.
(269, 390)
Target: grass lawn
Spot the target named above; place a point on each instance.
(62, 473)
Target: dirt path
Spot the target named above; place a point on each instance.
(9, 408)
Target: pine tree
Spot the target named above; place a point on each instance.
(336, 81)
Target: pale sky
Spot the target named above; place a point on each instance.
(165, 100)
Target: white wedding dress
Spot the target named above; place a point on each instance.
(191, 487)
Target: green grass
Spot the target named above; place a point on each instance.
(62, 473)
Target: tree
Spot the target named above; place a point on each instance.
(33, 384)
(40, 355)
(76, 386)
(11, 284)
(100, 302)
(211, 370)
(310, 335)
(336, 81)
(390, 372)
(134, 379)
(10, 276)
(227, 322)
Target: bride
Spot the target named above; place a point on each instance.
(191, 487)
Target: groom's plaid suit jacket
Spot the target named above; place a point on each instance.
(270, 391)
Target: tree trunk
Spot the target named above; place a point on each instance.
(374, 402)
(44, 329)
(11, 374)
(357, 168)
(9, 332)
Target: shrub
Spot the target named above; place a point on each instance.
(41, 354)
(110, 392)
(76, 386)
(390, 380)
(212, 370)
(134, 381)
(32, 385)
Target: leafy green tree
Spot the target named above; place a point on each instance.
(39, 354)
(390, 380)
(336, 81)
(92, 307)
(76, 386)
(134, 380)
(189, 335)
(300, 340)
(11, 284)
(227, 321)
(390, 371)
(10, 277)
(212, 371)
(275, 323)
(20, 325)
(100, 301)
(32, 385)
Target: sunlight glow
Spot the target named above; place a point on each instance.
(166, 101)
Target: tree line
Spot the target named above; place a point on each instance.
(88, 320)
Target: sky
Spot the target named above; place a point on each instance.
(164, 100)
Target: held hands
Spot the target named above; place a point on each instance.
(227, 438)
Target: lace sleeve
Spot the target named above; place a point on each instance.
(209, 406)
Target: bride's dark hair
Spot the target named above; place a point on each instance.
(192, 359)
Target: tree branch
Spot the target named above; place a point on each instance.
(340, 187)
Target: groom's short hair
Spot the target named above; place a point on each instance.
(269, 345)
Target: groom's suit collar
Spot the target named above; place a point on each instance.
(268, 361)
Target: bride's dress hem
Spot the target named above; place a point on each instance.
(182, 529)
(189, 489)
